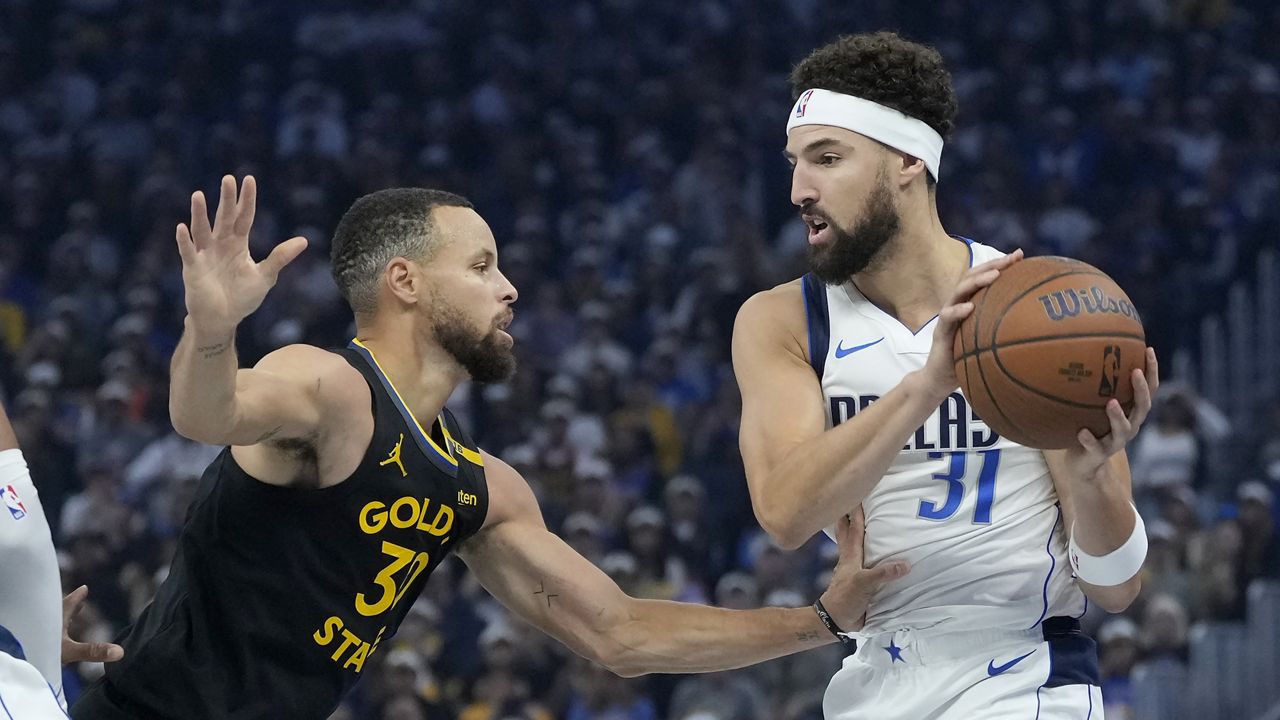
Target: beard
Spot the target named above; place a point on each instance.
(853, 251)
(484, 356)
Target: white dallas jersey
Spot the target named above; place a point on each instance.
(976, 515)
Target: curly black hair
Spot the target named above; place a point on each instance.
(378, 227)
(885, 68)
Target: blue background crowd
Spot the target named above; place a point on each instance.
(628, 156)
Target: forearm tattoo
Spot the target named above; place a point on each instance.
(212, 351)
(542, 590)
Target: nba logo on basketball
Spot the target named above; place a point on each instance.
(803, 103)
(11, 501)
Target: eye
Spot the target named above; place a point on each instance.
(482, 267)
(828, 159)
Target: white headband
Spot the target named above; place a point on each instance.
(891, 127)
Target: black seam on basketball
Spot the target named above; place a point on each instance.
(1046, 338)
(983, 373)
(995, 332)
(1035, 391)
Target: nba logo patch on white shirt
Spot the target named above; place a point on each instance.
(13, 502)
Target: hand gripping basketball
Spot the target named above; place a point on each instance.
(939, 370)
(223, 283)
(1094, 452)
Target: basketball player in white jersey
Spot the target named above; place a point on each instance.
(33, 641)
(850, 401)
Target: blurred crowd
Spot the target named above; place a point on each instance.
(628, 156)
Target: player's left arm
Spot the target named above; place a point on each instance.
(1093, 484)
(31, 543)
(542, 579)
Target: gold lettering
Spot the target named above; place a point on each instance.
(414, 512)
(348, 639)
(377, 639)
(371, 521)
(357, 658)
(400, 558)
(420, 562)
(325, 635)
(442, 523)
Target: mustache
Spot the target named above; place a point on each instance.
(812, 210)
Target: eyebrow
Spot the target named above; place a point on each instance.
(818, 144)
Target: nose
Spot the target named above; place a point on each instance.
(507, 291)
(802, 190)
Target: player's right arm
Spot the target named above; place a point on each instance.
(542, 579)
(211, 399)
(802, 477)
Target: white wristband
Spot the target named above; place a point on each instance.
(1117, 566)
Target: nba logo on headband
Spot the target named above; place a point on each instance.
(803, 103)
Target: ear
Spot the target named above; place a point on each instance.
(403, 279)
(909, 167)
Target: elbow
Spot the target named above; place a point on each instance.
(618, 660)
(625, 670)
(1118, 598)
(786, 527)
(192, 430)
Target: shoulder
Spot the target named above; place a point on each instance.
(774, 317)
(510, 497)
(325, 375)
(780, 306)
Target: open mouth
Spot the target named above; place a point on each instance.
(818, 229)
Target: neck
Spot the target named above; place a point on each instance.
(422, 372)
(919, 270)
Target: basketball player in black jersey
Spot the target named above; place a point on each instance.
(346, 482)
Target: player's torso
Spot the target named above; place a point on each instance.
(286, 593)
(975, 514)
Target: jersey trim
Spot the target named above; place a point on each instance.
(1073, 656)
(10, 645)
(818, 317)
(1053, 562)
(439, 456)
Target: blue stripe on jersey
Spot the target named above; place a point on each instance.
(818, 317)
(1053, 563)
(10, 645)
(5, 708)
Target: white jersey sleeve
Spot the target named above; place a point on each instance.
(30, 587)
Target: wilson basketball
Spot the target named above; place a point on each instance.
(1047, 345)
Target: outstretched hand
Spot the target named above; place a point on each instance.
(74, 652)
(853, 584)
(223, 283)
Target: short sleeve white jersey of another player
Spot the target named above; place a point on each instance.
(976, 515)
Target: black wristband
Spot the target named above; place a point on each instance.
(830, 622)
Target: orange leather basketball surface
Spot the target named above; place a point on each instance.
(1049, 343)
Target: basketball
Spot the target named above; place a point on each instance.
(1048, 344)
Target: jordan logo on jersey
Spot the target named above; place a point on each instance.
(11, 501)
(394, 457)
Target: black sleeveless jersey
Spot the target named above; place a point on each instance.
(278, 596)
